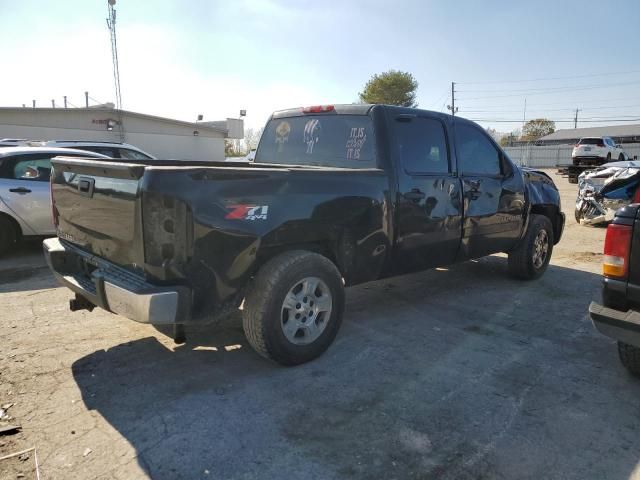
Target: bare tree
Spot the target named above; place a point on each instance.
(252, 138)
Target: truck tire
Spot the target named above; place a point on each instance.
(8, 235)
(629, 357)
(530, 258)
(293, 308)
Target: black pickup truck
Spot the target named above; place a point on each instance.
(619, 314)
(336, 196)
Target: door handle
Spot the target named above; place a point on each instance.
(414, 195)
(20, 190)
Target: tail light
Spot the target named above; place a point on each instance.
(600, 145)
(167, 230)
(617, 246)
(636, 195)
(318, 109)
(54, 210)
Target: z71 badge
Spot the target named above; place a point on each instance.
(247, 212)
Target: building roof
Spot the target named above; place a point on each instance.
(124, 113)
(607, 131)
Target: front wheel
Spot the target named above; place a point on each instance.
(293, 309)
(530, 258)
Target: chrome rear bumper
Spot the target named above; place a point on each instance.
(114, 288)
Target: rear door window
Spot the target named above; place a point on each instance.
(330, 140)
(422, 145)
(27, 167)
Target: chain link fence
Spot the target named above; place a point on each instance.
(554, 155)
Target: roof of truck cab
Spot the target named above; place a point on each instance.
(356, 109)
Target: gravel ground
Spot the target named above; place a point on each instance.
(453, 373)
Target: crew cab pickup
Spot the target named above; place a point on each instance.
(618, 316)
(336, 196)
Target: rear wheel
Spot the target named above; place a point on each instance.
(293, 309)
(621, 158)
(530, 258)
(608, 159)
(629, 357)
(8, 235)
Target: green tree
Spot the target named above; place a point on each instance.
(539, 127)
(391, 88)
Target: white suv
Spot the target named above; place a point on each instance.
(596, 151)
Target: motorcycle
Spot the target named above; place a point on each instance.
(605, 189)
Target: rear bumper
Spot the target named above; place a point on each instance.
(115, 289)
(621, 326)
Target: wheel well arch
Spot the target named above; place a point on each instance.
(321, 247)
(552, 212)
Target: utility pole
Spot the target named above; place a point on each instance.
(524, 114)
(53, 103)
(452, 107)
(111, 23)
(575, 119)
(86, 99)
(65, 101)
(34, 103)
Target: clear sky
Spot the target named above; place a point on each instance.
(180, 58)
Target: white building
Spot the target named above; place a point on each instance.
(162, 137)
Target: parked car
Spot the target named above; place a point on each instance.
(12, 142)
(110, 149)
(337, 196)
(596, 151)
(619, 314)
(25, 206)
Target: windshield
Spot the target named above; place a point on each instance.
(345, 141)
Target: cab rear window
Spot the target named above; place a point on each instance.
(345, 141)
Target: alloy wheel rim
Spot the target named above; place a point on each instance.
(540, 248)
(306, 310)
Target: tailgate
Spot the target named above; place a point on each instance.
(98, 207)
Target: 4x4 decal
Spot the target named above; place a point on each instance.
(247, 212)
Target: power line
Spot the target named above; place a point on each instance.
(572, 120)
(581, 101)
(551, 78)
(551, 89)
(555, 90)
(501, 110)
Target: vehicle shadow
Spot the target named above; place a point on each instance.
(451, 373)
(24, 268)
